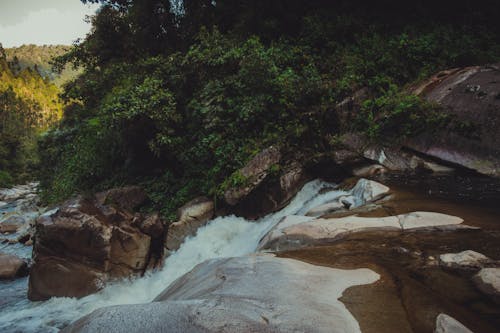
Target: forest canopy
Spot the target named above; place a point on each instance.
(29, 105)
(176, 96)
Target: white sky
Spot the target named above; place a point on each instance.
(43, 21)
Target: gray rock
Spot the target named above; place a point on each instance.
(247, 294)
(457, 92)
(297, 232)
(463, 260)
(488, 281)
(447, 324)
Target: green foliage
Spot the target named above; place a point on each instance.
(28, 105)
(397, 115)
(178, 103)
(39, 58)
(6, 179)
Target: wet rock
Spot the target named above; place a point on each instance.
(246, 294)
(362, 193)
(17, 192)
(300, 232)
(467, 260)
(12, 224)
(368, 190)
(476, 147)
(83, 244)
(268, 184)
(447, 324)
(191, 216)
(60, 277)
(488, 281)
(325, 208)
(128, 197)
(12, 267)
(253, 173)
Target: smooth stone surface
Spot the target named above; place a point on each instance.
(325, 208)
(463, 260)
(427, 220)
(488, 281)
(362, 193)
(296, 233)
(369, 190)
(468, 95)
(245, 294)
(447, 324)
(12, 266)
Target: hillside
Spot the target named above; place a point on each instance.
(40, 56)
(29, 104)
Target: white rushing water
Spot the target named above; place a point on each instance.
(223, 237)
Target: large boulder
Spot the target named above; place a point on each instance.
(268, 183)
(83, 244)
(128, 197)
(471, 97)
(191, 216)
(246, 294)
(488, 281)
(253, 174)
(12, 266)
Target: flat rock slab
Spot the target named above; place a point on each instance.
(488, 281)
(307, 232)
(246, 294)
(447, 324)
(463, 260)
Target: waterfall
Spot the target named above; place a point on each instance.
(228, 236)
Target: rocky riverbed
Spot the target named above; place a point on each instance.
(366, 256)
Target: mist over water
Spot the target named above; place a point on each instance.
(228, 236)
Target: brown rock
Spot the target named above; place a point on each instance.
(191, 216)
(128, 197)
(60, 277)
(12, 224)
(153, 226)
(83, 244)
(254, 172)
(262, 193)
(12, 266)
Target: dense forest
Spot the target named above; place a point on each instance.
(29, 105)
(178, 97)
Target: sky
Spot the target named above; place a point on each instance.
(43, 21)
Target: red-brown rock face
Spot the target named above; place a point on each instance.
(84, 243)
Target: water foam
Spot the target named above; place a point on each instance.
(228, 236)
